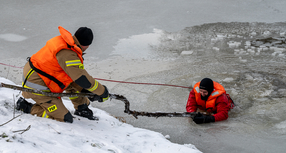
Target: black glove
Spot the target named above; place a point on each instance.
(94, 98)
(200, 118)
(101, 98)
(104, 96)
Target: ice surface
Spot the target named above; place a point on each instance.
(12, 37)
(126, 28)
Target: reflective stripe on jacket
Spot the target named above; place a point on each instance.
(46, 61)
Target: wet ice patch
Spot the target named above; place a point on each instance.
(190, 52)
(242, 60)
(266, 93)
(281, 125)
(137, 46)
(216, 48)
(233, 44)
(260, 112)
(228, 80)
(12, 37)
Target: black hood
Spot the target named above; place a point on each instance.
(207, 84)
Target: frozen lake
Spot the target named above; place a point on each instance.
(237, 55)
(143, 41)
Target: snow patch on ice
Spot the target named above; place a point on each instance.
(228, 79)
(233, 44)
(187, 52)
(12, 37)
(281, 125)
(266, 93)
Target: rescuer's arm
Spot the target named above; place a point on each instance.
(72, 65)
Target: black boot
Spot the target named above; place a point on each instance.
(84, 111)
(23, 105)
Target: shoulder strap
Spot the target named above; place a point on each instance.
(60, 84)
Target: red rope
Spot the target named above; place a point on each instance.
(158, 84)
(142, 83)
(11, 65)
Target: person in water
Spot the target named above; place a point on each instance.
(210, 100)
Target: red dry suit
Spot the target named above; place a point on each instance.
(217, 103)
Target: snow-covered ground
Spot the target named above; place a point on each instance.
(108, 135)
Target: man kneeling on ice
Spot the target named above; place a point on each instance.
(210, 100)
(58, 67)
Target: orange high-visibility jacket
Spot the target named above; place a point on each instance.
(45, 60)
(210, 103)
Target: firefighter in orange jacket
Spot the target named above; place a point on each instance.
(58, 67)
(210, 100)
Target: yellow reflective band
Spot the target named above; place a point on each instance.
(71, 98)
(28, 75)
(37, 93)
(73, 63)
(94, 87)
(75, 97)
(52, 108)
(81, 66)
(45, 115)
(27, 87)
(104, 99)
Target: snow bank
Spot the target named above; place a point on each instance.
(108, 135)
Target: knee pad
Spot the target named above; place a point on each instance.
(68, 117)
